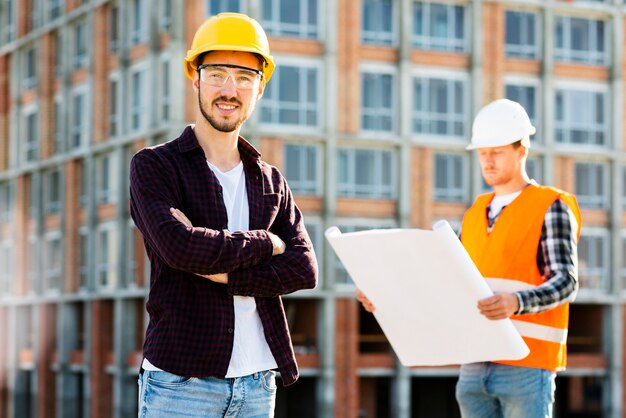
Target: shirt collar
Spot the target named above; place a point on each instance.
(188, 142)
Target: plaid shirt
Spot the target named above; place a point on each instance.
(192, 319)
(556, 258)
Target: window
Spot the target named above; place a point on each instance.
(59, 138)
(296, 18)
(6, 202)
(114, 107)
(106, 178)
(623, 269)
(292, 96)
(55, 8)
(137, 111)
(165, 22)
(53, 260)
(131, 257)
(114, 29)
(33, 197)
(81, 53)
(78, 125)
(31, 135)
(218, 6)
(366, 173)
(439, 26)
(439, 107)
(106, 255)
(527, 96)
(58, 53)
(7, 21)
(377, 24)
(52, 191)
(139, 23)
(521, 35)
(580, 40)
(83, 248)
(592, 186)
(32, 270)
(30, 68)
(534, 169)
(593, 259)
(165, 90)
(378, 101)
(83, 194)
(7, 268)
(623, 187)
(451, 176)
(302, 169)
(35, 14)
(576, 124)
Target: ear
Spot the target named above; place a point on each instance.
(196, 81)
(261, 90)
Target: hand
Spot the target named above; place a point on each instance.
(217, 278)
(279, 244)
(367, 304)
(181, 217)
(499, 306)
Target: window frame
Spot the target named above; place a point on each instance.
(274, 26)
(458, 193)
(450, 77)
(428, 41)
(273, 106)
(568, 54)
(604, 127)
(375, 36)
(392, 112)
(310, 188)
(523, 50)
(596, 201)
(351, 190)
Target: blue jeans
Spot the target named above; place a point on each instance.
(492, 390)
(163, 394)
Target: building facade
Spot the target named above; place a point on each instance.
(367, 114)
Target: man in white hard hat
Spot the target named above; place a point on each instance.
(523, 238)
(225, 240)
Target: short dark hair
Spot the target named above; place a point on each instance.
(517, 144)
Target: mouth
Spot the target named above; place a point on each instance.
(226, 107)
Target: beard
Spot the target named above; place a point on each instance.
(223, 125)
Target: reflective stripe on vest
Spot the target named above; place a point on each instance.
(527, 329)
(541, 332)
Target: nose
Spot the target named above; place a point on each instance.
(229, 85)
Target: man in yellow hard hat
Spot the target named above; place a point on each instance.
(225, 241)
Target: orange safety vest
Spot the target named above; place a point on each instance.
(507, 257)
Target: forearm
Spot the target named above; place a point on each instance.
(561, 288)
(294, 270)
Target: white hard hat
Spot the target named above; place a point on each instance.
(501, 122)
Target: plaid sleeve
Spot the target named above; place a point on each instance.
(557, 259)
(295, 269)
(197, 250)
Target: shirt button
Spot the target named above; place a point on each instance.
(230, 330)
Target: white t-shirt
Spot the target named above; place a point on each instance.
(498, 202)
(251, 353)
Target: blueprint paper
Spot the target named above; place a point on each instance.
(425, 288)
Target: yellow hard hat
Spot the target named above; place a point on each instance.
(230, 32)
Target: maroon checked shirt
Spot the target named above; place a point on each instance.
(192, 319)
